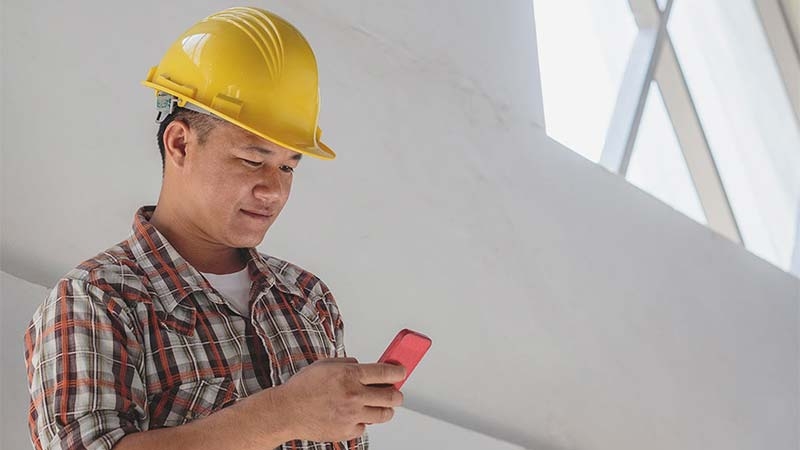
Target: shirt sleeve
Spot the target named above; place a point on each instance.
(83, 359)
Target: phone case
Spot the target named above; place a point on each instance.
(406, 349)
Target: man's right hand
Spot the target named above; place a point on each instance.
(328, 401)
(333, 399)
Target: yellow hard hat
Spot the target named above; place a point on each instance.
(251, 68)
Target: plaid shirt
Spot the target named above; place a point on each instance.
(136, 339)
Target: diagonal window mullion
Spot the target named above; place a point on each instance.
(783, 47)
(632, 95)
(786, 51)
(694, 145)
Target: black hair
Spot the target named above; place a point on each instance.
(201, 123)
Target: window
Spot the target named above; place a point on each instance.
(747, 118)
(657, 165)
(582, 64)
(690, 101)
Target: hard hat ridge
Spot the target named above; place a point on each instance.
(251, 68)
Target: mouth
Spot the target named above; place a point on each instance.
(261, 217)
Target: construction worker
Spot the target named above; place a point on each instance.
(184, 336)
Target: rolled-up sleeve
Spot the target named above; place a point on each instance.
(84, 365)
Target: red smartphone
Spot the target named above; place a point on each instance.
(407, 349)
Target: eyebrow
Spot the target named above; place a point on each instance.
(266, 151)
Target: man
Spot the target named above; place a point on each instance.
(184, 336)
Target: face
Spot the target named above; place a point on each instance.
(234, 184)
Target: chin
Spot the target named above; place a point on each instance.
(248, 240)
(239, 242)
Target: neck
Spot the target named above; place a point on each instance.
(203, 254)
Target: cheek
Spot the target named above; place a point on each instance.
(219, 189)
(288, 188)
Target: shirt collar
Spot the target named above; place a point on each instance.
(173, 278)
(266, 275)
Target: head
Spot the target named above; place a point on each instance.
(224, 184)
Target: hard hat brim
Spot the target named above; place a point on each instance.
(318, 150)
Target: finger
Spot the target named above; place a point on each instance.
(372, 414)
(337, 360)
(380, 373)
(358, 430)
(384, 397)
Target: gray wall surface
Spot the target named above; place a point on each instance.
(568, 309)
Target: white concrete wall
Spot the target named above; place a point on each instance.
(429, 433)
(568, 309)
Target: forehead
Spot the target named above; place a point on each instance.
(239, 139)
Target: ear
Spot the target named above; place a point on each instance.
(176, 138)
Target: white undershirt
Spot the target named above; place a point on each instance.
(235, 287)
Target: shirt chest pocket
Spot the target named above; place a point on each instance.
(191, 400)
(313, 331)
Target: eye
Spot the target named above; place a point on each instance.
(287, 169)
(252, 163)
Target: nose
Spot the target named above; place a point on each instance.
(272, 186)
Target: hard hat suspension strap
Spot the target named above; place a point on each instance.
(166, 103)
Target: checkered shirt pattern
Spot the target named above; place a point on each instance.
(136, 339)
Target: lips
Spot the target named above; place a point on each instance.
(261, 215)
